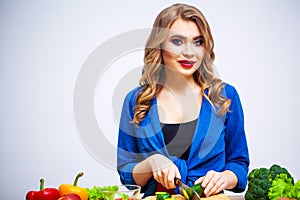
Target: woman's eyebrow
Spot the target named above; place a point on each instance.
(198, 37)
(179, 36)
(184, 37)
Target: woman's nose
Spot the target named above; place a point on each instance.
(188, 51)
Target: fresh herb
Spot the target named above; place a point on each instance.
(104, 193)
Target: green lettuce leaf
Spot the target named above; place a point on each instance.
(281, 186)
(295, 191)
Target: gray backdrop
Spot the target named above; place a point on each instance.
(45, 44)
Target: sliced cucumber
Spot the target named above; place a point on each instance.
(162, 195)
(186, 194)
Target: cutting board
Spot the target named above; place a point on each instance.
(179, 197)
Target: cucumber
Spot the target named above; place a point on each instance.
(162, 195)
(197, 188)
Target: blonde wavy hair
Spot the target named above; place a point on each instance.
(153, 73)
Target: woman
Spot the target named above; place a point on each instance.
(182, 121)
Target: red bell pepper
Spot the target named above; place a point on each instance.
(43, 194)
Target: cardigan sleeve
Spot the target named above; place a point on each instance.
(237, 158)
(127, 153)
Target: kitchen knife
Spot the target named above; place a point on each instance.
(185, 190)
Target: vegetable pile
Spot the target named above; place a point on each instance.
(65, 192)
(271, 184)
(73, 192)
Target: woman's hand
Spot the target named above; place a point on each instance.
(164, 170)
(214, 182)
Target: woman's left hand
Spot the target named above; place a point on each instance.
(214, 182)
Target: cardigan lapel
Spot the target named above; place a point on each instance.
(207, 132)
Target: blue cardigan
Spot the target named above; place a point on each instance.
(219, 143)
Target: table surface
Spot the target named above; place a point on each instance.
(214, 197)
(236, 197)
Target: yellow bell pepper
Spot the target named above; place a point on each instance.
(65, 189)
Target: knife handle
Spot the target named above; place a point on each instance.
(177, 181)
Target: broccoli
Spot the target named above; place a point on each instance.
(258, 185)
(276, 170)
(260, 181)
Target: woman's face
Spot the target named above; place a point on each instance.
(183, 49)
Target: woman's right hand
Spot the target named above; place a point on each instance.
(163, 170)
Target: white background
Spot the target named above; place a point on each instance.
(43, 45)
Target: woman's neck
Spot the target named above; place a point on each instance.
(179, 100)
(178, 83)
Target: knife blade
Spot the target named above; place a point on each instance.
(182, 187)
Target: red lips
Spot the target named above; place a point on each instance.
(187, 63)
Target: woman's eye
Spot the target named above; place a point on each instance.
(177, 42)
(198, 42)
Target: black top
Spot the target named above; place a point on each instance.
(178, 138)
